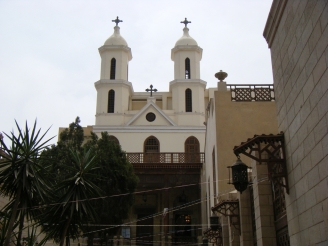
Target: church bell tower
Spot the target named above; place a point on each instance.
(187, 88)
(113, 88)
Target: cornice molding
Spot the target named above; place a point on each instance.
(114, 82)
(116, 47)
(273, 21)
(188, 82)
(149, 129)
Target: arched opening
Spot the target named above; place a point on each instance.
(192, 150)
(151, 149)
(112, 68)
(188, 96)
(111, 101)
(187, 68)
(114, 139)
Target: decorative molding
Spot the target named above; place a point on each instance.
(229, 208)
(186, 48)
(252, 93)
(170, 158)
(214, 236)
(114, 82)
(116, 47)
(148, 105)
(268, 149)
(273, 21)
(188, 82)
(149, 129)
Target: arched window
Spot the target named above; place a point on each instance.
(187, 68)
(192, 150)
(151, 150)
(112, 68)
(111, 101)
(114, 139)
(188, 100)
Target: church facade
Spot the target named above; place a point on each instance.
(163, 134)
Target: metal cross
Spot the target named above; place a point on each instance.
(186, 22)
(117, 20)
(151, 90)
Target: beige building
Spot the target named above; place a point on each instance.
(286, 204)
(163, 134)
(234, 114)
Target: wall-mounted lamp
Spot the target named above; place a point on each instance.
(187, 219)
(239, 175)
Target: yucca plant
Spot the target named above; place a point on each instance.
(72, 207)
(4, 219)
(20, 178)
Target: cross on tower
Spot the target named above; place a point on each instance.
(186, 22)
(151, 90)
(117, 20)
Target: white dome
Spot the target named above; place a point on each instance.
(116, 38)
(186, 39)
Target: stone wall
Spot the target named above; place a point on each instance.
(297, 33)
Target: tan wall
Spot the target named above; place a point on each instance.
(235, 123)
(299, 55)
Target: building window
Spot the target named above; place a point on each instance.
(192, 145)
(188, 100)
(151, 145)
(112, 68)
(126, 232)
(150, 117)
(111, 101)
(192, 150)
(114, 139)
(187, 68)
(151, 149)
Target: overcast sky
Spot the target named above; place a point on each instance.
(49, 56)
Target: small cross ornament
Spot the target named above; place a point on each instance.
(117, 20)
(186, 22)
(151, 90)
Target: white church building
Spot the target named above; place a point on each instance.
(163, 134)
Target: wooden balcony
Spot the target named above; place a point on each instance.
(166, 158)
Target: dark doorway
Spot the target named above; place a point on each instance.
(183, 233)
(144, 229)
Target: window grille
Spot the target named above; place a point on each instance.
(151, 145)
(192, 149)
(111, 101)
(188, 100)
(112, 68)
(151, 149)
(187, 68)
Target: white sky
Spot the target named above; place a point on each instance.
(49, 56)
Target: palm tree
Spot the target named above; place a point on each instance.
(20, 177)
(72, 207)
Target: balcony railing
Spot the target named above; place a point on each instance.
(176, 158)
(249, 93)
